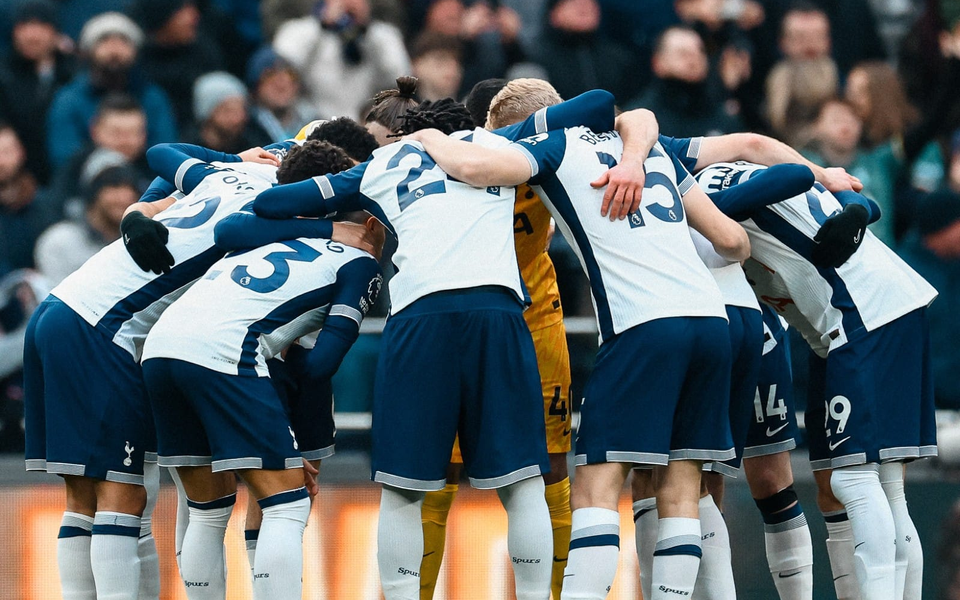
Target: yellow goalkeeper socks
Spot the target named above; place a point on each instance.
(436, 507)
(558, 500)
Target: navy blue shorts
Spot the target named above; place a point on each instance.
(459, 361)
(871, 399)
(659, 391)
(773, 424)
(746, 350)
(86, 410)
(209, 418)
(309, 405)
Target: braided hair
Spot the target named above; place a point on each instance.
(447, 115)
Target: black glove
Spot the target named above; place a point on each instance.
(146, 242)
(840, 236)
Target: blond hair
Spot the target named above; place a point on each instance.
(518, 100)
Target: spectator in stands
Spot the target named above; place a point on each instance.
(65, 246)
(31, 73)
(577, 56)
(25, 209)
(109, 43)
(437, 66)
(796, 91)
(933, 249)
(223, 119)
(278, 107)
(679, 94)
(489, 36)
(805, 33)
(119, 126)
(345, 57)
(177, 51)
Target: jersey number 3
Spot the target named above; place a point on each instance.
(280, 261)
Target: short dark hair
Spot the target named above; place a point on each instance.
(312, 159)
(430, 41)
(347, 134)
(447, 115)
(390, 105)
(479, 98)
(116, 176)
(117, 102)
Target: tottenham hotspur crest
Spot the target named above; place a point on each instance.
(129, 450)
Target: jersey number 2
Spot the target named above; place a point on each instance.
(405, 196)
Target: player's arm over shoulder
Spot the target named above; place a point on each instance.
(473, 163)
(728, 238)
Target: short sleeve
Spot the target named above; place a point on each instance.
(685, 180)
(358, 287)
(685, 149)
(544, 151)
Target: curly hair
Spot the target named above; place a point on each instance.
(389, 105)
(479, 99)
(347, 134)
(312, 159)
(447, 115)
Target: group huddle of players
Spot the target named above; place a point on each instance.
(205, 339)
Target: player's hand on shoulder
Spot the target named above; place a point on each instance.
(354, 235)
(624, 184)
(840, 236)
(146, 242)
(259, 155)
(836, 179)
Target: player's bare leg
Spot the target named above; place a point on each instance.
(210, 500)
(909, 563)
(252, 522)
(645, 520)
(715, 577)
(595, 534)
(285, 502)
(116, 533)
(146, 546)
(676, 560)
(434, 513)
(786, 533)
(73, 541)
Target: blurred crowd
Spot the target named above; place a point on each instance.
(87, 85)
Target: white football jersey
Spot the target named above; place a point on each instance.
(827, 306)
(450, 235)
(729, 275)
(121, 300)
(642, 268)
(251, 305)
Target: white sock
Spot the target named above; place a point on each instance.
(676, 559)
(400, 543)
(183, 515)
(278, 570)
(874, 533)
(909, 551)
(788, 544)
(147, 547)
(594, 553)
(73, 557)
(715, 577)
(250, 539)
(529, 537)
(646, 523)
(840, 551)
(203, 566)
(114, 555)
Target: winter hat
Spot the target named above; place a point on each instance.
(264, 60)
(107, 24)
(213, 88)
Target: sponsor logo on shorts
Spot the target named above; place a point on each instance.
(776, 431)
(833, 446)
